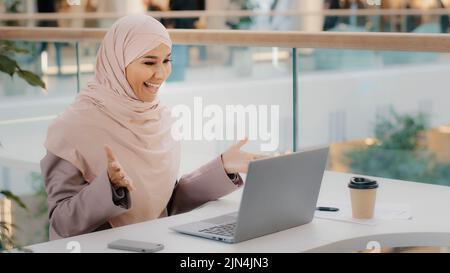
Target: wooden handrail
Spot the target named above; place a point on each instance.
(54, 34)
(286, 39)
(228, 13)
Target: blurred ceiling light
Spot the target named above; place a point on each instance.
(370, 141)
(444, 129)
(70, 69)
(269, 56)
(428, 3)
(44, 61)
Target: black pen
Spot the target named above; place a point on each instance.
(327, 209)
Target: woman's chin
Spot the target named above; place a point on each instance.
(148, 96)
(149, 99)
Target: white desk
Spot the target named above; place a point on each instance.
(430, 225)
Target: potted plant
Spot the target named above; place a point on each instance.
(8, 65)
(5, 239)
(400, 152)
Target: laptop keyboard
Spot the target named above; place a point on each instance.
(223, 230)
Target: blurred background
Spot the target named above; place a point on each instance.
(384, 113)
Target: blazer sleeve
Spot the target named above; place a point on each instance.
(205, 184)
(76, 206)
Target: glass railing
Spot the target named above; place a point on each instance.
(382, 110)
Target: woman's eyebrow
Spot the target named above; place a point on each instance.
(155, 57)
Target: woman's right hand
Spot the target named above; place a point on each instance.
(116, 173)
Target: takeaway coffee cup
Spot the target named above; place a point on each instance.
(363, 192)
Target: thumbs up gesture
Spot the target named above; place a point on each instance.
(116, 173)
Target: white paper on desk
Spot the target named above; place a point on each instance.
(383, 211)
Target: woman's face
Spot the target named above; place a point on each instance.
(146, 74)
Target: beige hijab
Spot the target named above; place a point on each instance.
(108, 112)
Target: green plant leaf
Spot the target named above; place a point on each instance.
(31, 78)
(10, 47)
(4, 226)
(13, 197)
(7, 65)
(399, 154)
(16, 50)
(5, 240)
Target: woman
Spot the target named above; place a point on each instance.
(111, 159)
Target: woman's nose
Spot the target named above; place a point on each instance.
(160, 73)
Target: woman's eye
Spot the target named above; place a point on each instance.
(153, 63)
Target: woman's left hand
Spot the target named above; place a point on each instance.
(236, 161)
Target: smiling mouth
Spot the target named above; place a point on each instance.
(152, 87)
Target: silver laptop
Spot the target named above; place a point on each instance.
(279, 193)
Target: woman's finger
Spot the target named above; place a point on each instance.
(115, 178)
(251, 156)
(129, 184)
(120, 182)
(121, 175)
(257, 156)
(109, 154)
(118, 175)
(115, 166)
(241, 143)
